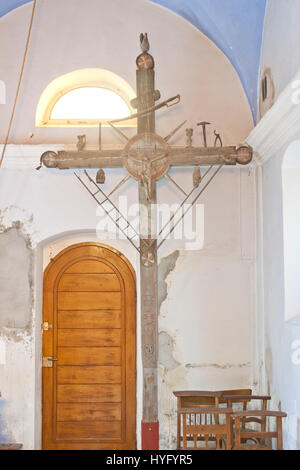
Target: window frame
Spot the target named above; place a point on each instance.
(84, 78)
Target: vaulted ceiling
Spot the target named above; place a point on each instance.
(235, 26)
(7, 5)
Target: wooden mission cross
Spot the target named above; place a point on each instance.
(148, 157)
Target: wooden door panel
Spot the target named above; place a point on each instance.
(89, 337)
(89, 283)
(89, 300)
(89, 319)
(89, 374)
(89, 267)
(89, 412)
(89, 395)
(89, 430)
(89, 356)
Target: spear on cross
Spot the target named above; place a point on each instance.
(146, 158)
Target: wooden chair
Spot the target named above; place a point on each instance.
(203, 425)
(235, 394)
(243, 435)
(203, 398)
(190, 399)
(245, 400)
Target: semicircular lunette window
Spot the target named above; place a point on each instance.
(90, 103)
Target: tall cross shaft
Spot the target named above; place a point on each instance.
(148, 274)
(147, 166)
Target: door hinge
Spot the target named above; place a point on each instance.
(46, 326)
(47, 362)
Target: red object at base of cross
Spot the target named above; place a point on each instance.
(150, 436)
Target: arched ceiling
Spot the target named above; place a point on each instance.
(8, 5)
(235, 26)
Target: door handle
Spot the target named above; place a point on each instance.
(48, 362)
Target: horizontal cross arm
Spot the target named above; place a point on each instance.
(88, 159)
(178, 156)
(230, 155)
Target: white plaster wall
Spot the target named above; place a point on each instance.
(209, 310)
(280, 46)
(72, 35)
(282, 373)
(280, 52)
(291, 235)
(17, 378)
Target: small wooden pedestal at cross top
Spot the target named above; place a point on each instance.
(148, 157)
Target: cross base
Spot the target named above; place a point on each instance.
(150, 436)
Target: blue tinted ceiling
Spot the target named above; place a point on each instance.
(235, 26)
(7, 5)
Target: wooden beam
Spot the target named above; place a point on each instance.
(148, 273)
(149, 307)
(178, 156)
(88, 159)
(182, 156)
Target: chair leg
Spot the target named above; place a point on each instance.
(237, 433)
(184, 436)
(178, 428)
(195, 441)
(184, 442)
(229, 432)
(279, 433)
(263, 422)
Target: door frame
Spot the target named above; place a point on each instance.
(133, 316)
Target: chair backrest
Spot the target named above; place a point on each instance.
(195, 398)
(242, 435)
(204, 424)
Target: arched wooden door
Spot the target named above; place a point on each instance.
(89, 388)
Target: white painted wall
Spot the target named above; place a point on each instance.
(280, 46)
(291, 230)
(17, 407)
(275, 137)
(209, 311)
(282, 375)
(72, 35)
